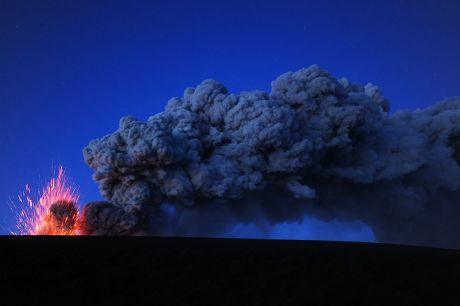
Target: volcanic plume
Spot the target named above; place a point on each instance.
(315, 145)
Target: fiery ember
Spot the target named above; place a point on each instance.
(55, 213)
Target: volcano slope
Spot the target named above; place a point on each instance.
(153, 270)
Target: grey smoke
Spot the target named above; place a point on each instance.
(315, 145)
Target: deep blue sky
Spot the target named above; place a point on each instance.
(70, 70)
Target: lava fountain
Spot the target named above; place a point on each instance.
(55, 212)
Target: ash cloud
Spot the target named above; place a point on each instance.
(315, 145)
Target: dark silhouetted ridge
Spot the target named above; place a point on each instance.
(158, 271)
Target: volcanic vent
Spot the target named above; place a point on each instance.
(54, 213)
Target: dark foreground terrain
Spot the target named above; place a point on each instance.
(159, 271)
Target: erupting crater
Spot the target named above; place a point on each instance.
(55, 212)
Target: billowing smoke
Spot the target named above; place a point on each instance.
(315, 145)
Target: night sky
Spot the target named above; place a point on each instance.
(69, 71)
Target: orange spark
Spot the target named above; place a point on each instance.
(55, 213)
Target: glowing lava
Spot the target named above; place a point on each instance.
(55, 213)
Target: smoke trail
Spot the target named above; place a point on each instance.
(315, 145)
